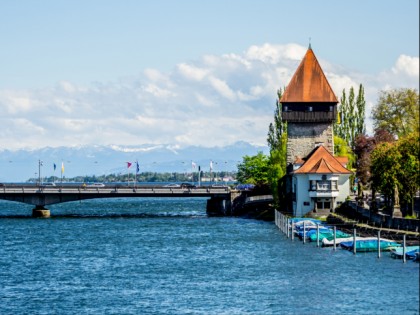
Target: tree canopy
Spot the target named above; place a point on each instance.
(397, 111)
(396, 164)
(351, 120)
(253, 170)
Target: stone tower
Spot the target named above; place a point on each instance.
(309, 106)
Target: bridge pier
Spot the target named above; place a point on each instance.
(218, 207)
(40, 212)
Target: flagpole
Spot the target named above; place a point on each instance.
(39, 171)
(62, 171)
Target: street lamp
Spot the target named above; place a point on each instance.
(39, 171)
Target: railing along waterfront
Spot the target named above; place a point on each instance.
(287, 226)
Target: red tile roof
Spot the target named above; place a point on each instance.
(309, 83)
(321, 161)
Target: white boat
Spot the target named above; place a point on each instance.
(326, 242)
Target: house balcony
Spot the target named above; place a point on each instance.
(323, 193)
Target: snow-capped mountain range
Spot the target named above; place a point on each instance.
(20, 165)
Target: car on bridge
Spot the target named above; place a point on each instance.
(187, 185)
(48, 185)
(96, 185)
(173, 185)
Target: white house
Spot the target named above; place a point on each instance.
(320, 183)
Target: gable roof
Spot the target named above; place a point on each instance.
(321, 161)
(309, 83)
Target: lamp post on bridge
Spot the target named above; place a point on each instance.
(39, 172)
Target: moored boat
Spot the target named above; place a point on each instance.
(410, 252)
(370, 245)
(326, 242)
(329, 235)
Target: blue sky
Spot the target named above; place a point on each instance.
(178, 71)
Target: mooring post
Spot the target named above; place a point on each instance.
(335, 238)
(282, 222)
(288, 228)
(317, 235)
(404, 243)
(293, 231)
(379, 244)
(354, 242)
(304, 229)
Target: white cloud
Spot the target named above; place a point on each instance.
(213, 101)
(191, 72)
(407, 65)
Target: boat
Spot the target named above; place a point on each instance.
(410, 252)
(312, 231)
(329, 235)
(370, 245)
(326, 242)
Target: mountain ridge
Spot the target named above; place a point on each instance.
(20, 165)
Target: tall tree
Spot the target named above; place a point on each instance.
(277, 142)
(351, 120)
(276, 130)
(397, 111)
(361, 105)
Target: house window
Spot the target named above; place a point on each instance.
(323, 185)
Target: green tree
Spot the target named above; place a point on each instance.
(409, 176)
(397, 111)
(352, 116)
(396, 164)
(277, 142)
(385, 169)
(341, 148)
(253, 170)
(360, 106)
(276, 130)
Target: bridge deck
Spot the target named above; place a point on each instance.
(41, 196)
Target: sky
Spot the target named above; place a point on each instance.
(185, 72)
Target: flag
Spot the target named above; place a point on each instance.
(128, 164)
(62, 167)
(211, 165)
(137, 167)
(55, 166)
(193, 165)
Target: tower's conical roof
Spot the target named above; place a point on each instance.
(309, 83)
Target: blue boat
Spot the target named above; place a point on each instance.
(410, 252)
(370, 245)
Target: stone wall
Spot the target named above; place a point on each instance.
(302, 138)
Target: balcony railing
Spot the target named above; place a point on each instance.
(307, 116)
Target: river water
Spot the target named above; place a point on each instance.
(165, 256)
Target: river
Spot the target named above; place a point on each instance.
(165, 256)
